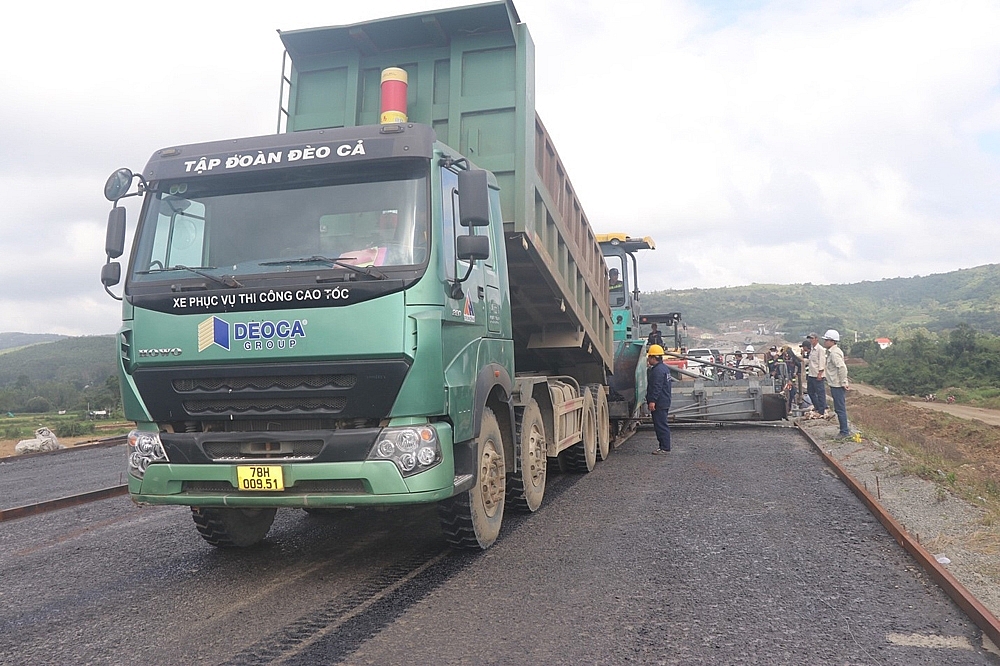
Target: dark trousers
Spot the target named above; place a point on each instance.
(661, 427)
(816, 388)
(839, 394)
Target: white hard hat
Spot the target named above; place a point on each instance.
(750, 349)
(832, 335)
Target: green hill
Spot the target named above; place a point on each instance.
(70, 373)
(78, 361)
(15, 340)
(883, 308)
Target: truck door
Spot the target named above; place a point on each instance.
(471, 308)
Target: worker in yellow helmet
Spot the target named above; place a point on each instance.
(658, 396)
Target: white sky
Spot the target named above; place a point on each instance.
(755, 141)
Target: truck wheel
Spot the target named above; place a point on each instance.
(526, 486)
(603, 421)
(582, 456)
(472, 519)
(228, 528)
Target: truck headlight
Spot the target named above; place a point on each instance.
(143, 448)
(413, 449)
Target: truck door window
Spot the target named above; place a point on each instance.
(452, 228)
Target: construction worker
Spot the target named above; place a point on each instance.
(658, 396)
(750, 361)
(836, 378)
(616, 288)
(655, 337)
(737, 363)
(815, 374)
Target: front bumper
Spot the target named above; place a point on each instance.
(369, 483)
(307, 484)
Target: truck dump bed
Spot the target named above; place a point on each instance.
(471, 77)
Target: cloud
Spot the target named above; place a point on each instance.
(755, 141)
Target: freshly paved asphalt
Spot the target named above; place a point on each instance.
(739, 547)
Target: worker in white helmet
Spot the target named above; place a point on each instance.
(836, 378)
(750, 360)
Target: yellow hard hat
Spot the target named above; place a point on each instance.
(655, 350)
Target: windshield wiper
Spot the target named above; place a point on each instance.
(361, 270)
(225, 280)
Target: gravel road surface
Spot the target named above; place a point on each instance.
(58, 474)
(739, 547)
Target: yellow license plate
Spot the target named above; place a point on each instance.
(260, 477)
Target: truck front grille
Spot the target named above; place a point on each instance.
(363, 389)
(266, 405)
(264, 383)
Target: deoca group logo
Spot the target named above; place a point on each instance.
(254, 335)
(213, 331)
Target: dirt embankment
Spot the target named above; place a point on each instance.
(990, 416)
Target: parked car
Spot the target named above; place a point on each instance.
(701, 355)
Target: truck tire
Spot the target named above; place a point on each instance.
(471, 520)
(582, 456)
(526, 486)
(232, 528)
(603, 420)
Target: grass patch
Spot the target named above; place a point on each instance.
(71, 424)
(987, 397)
(959, 455)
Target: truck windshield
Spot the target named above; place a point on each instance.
(254, 226)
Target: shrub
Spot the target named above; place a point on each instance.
(74, 429)
(37, 405)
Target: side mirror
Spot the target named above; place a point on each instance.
(474, 198)
(111, 274)
(473, 248)
(114, 242)
(118, 184)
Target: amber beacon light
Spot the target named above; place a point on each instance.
(393, 95)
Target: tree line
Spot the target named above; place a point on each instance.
(27, 396)
(891, 307)
(924, 363)
(75, 374)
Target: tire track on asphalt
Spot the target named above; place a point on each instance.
(333, 632)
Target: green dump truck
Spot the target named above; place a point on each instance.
(356, 313)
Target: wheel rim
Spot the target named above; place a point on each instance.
(536, 457)
(603, 426)
(589, 438)
(491, 479)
